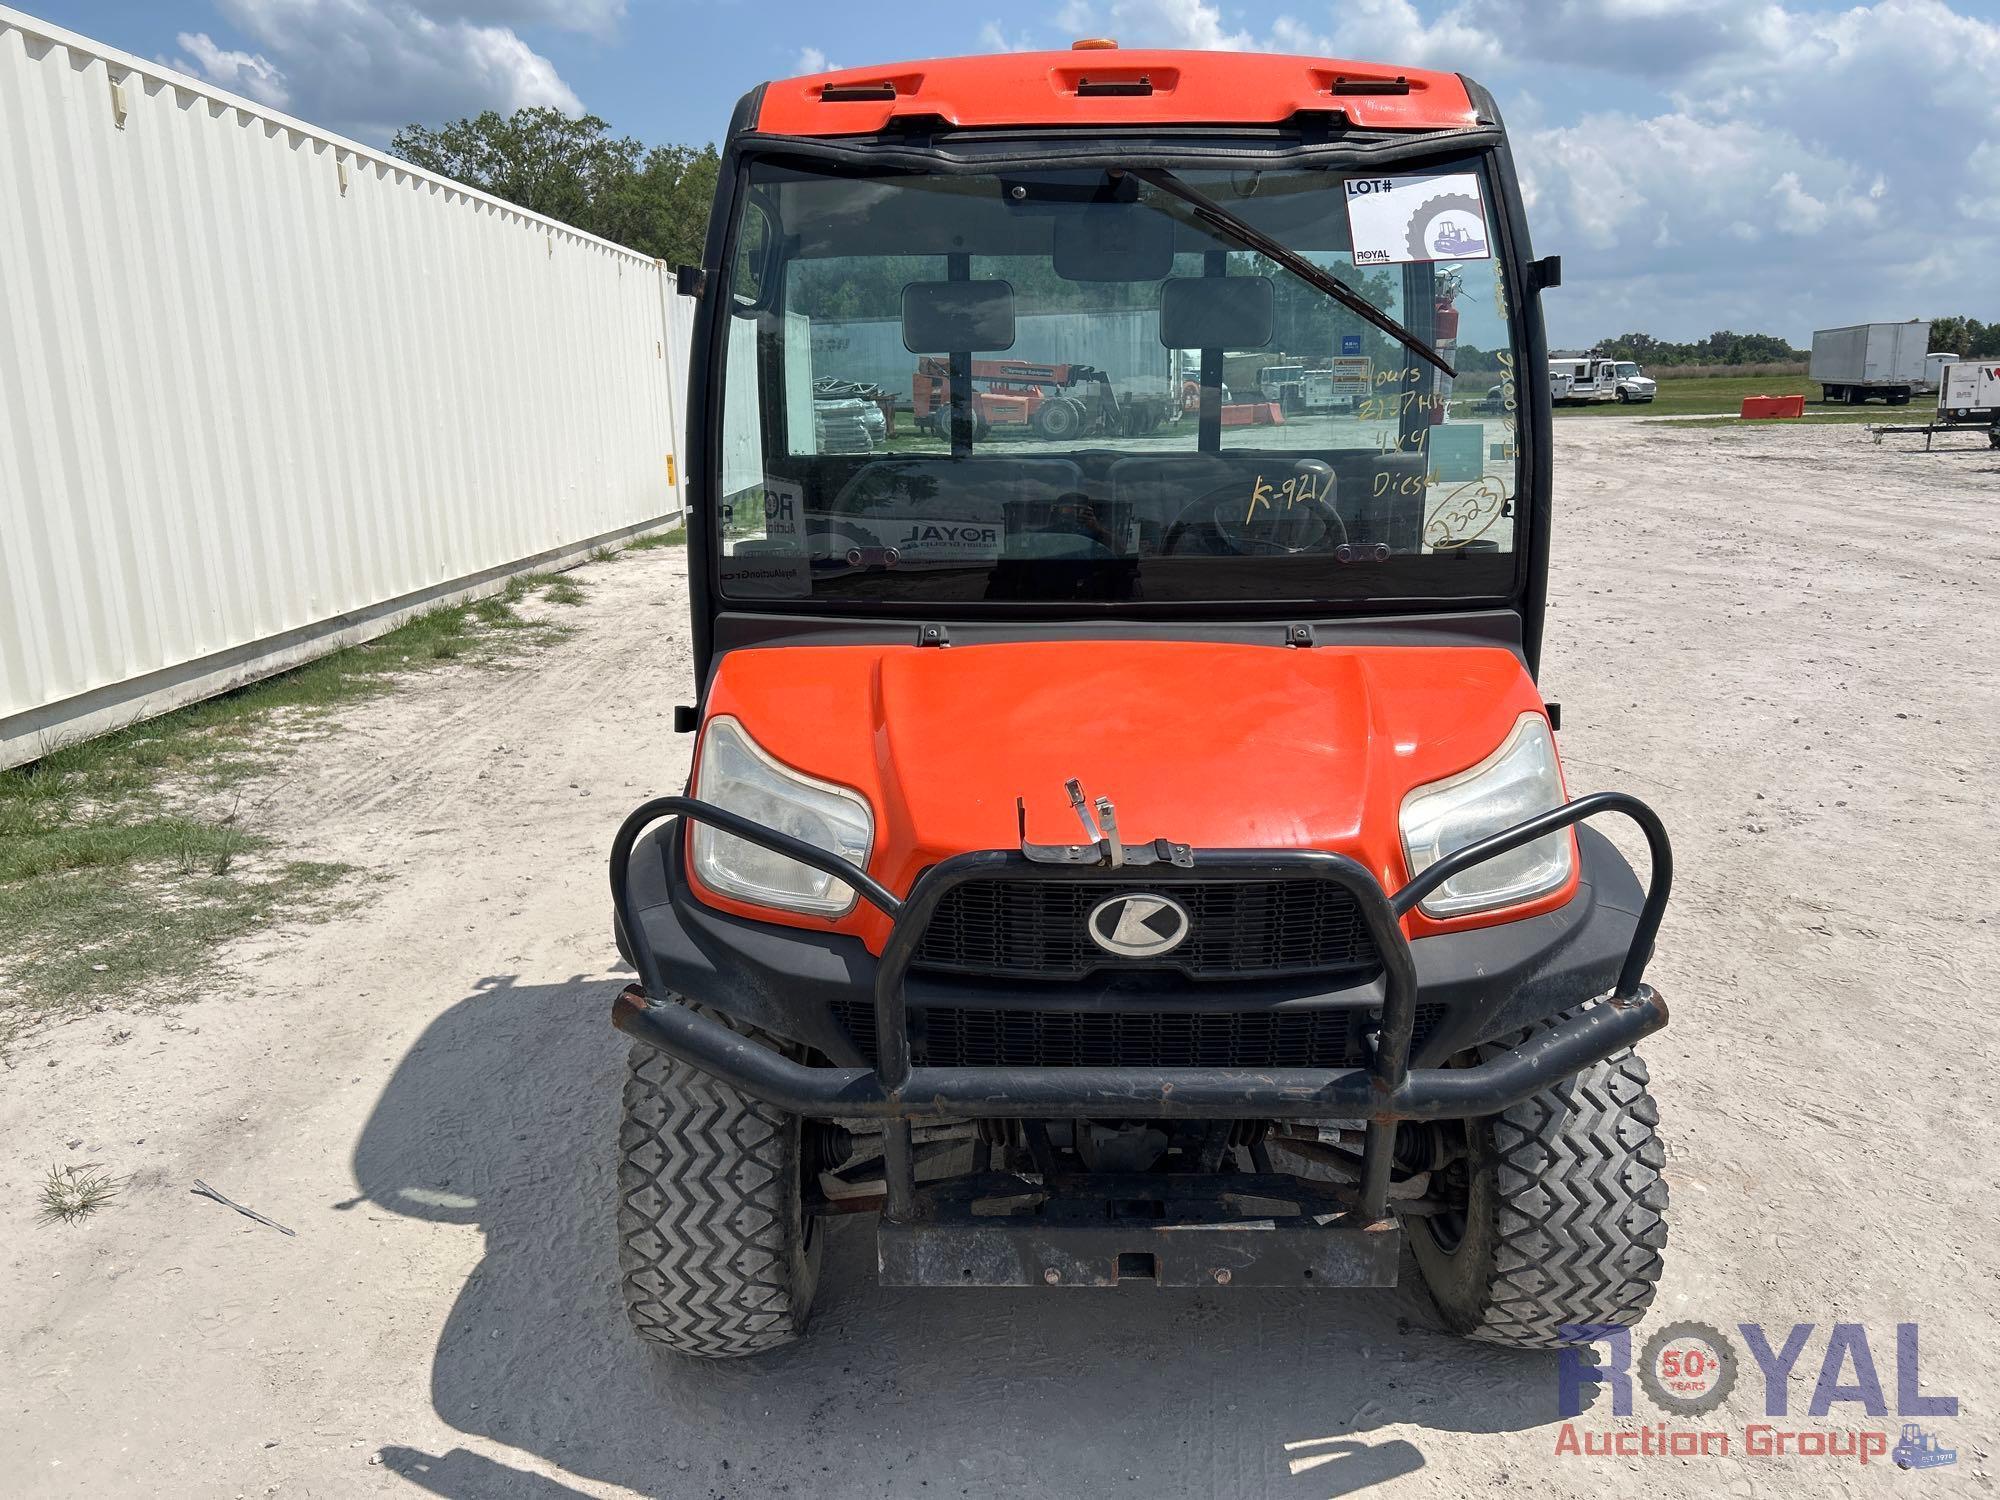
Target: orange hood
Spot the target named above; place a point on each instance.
(1217, 746)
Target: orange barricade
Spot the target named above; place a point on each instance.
(1774, 406)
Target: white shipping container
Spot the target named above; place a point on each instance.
(264, 390)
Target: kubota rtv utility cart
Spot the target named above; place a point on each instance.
(1129, 855)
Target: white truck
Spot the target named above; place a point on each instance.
(1588, 379)
(1867, 360)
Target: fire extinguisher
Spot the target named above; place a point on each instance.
(1445, 343)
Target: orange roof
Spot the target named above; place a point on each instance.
(1061, 88)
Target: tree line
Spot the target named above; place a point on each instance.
(1964, 336)
(651, 199)
(1723, 347)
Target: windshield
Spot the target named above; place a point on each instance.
(1078, 386)
(1628, 368)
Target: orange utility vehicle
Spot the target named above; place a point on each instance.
(1135, 859)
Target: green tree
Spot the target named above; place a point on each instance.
(573, 169)
(1723, 347)
(1966, 337)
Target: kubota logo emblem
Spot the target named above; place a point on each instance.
(1140, 925)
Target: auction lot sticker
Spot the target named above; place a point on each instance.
(1397, 220)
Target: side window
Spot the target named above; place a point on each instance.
(742, 414)
(750, 277)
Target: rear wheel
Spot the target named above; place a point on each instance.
(1558, 1213)
(718, 1256)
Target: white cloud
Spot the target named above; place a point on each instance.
(1395, 31)
(595, 17)
(1805, 168)
(1765, 164)
(1612, 180)
(993, 38)
(812, 60)
(1155, 23)
(367, 67)
(245, 73)
(1981, 196)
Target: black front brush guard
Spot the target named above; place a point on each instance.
(1382, 1093)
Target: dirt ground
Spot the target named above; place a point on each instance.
(1786, 640)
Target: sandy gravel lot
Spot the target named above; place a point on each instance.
(1785, 640)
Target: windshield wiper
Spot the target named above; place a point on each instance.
(1250, 236)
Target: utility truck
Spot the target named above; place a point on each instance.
(1135, 859)
(1581, 380)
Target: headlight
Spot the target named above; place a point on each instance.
(1510, 786)
(735, 773)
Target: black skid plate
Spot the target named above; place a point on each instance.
(1236, 1231)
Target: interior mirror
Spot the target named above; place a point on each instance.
(940, 317)
(1114, 242)
(1216, 312)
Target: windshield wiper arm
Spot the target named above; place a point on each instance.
(1249, 235)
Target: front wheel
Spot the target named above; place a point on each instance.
(718, 1255)
(1057, 419)
(1557, 1213)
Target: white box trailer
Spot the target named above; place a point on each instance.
(1867, 360)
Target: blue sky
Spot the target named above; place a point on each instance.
(1765, 165)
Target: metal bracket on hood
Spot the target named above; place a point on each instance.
(1106, 847)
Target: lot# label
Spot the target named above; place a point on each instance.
(1397, 220)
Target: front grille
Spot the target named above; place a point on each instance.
(966, 1037)
(1239, 929)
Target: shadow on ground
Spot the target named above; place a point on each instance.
(504, 1115)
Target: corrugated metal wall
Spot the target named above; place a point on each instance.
(263, 390)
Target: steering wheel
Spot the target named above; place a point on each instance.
(1262, 519)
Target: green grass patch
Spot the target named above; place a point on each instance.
(1723, 395)
(73, 1193)
(125, 860)
(1810, 419)
(675, 538)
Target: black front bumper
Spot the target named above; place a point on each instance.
(798, 983)
(752, 971)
